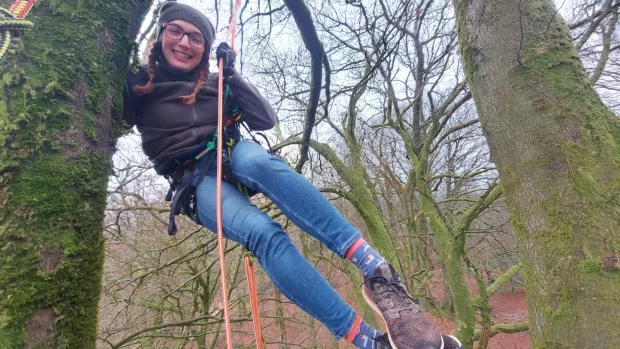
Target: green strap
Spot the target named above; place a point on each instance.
(225, 96)
(211, 145)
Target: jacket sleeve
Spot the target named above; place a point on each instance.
(131, 100)
(257, 112)
(129, 109)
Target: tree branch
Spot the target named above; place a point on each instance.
(302, 17)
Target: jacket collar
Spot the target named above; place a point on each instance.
(165, 72)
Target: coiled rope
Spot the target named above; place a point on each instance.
(12, 22)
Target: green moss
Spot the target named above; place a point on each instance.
(461, 28)
(90, 126)
(54, 186)
(58, 207)
(583, 191)
(572, 175)
(587, 124)
(451, 258)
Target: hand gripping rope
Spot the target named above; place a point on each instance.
(11, 22)
(230, 37)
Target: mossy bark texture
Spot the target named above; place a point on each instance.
(557, 150)
(60, 112)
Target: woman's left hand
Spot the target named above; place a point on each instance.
(228, 56)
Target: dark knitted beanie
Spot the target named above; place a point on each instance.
(172, 10)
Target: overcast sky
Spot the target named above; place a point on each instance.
(564, 5)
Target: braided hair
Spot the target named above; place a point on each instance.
(201, 80)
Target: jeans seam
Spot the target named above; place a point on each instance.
(349, 243)
(272, 196)
(339, 249)
(348, 328)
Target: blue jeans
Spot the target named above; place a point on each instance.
(305, 206)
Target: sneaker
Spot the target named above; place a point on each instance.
(408, 327)
(451, 342)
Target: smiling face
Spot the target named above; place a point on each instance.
(179, 53)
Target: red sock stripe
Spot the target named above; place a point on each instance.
(359, 242)
(353, 331)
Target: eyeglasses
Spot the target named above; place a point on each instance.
(175, 32)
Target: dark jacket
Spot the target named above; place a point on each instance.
(169, 128)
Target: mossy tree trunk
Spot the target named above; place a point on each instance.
(557, 150)
(60, 112)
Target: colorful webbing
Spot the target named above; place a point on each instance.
(21, 7)
(212, 144)
(12, 20)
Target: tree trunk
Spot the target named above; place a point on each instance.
(557, 150)
(60, 112)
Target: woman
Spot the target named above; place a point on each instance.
(173, 101)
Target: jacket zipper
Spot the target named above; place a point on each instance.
(195, 123)
(195, 117)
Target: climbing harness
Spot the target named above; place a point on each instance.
(183, 194)
(12, 22)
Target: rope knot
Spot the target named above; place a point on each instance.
(12, 25)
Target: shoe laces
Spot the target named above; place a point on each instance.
(394, 285)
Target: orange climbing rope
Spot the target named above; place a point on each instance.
(249, 271)
(249, 268)
(218, 204)
(232, 30)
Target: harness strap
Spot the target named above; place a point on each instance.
(183, 194)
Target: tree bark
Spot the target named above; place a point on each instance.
(557, 150)
(60, 111)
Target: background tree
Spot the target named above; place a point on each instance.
(394, 104)
(60, 111)
(397, 146)
(557, 150)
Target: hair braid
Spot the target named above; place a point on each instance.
(200, 82)
(149, 86)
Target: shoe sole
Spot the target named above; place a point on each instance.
(456, 339)
(376, 310)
